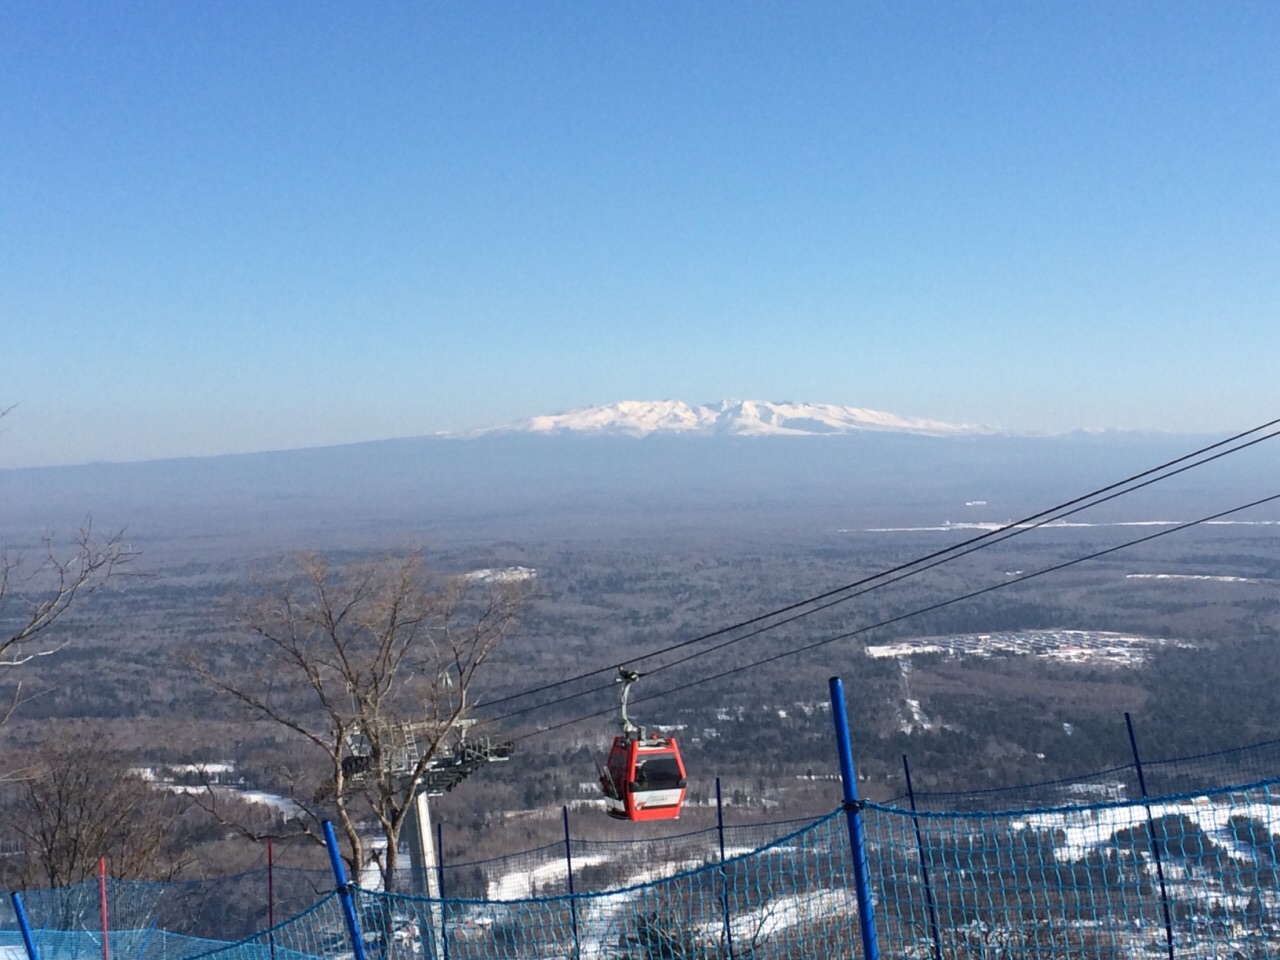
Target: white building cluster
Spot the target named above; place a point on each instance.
(1071, 646)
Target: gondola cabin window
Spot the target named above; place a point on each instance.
(657, 772)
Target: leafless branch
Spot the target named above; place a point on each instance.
(371, 666)
(37, 592)
(79, 802)
(207, 799)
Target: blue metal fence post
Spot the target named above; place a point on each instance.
(146, 940)
(852, 810)
(1151, 836)
(344, 891)
(25, 926)
(444, 927)
(924, 865)
(724, 874)
(568, 862)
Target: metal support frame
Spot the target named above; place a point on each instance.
(724, 875)
(934, 933)
(573, 900)
(629, 730)
(1151, 837)
(271, 896)
(102, 896)
(444, 929)
(425, 864)
(343, 888)
(24, 925)
(852, 807)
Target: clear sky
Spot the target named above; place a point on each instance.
(231, 226)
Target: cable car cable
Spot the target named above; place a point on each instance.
(1006, 533)
(902, 571)
(899, 568)
(903, 576)
(914, 613)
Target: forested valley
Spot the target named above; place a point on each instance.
(121, 693)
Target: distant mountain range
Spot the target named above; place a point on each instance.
(632, 468)
(749, 418)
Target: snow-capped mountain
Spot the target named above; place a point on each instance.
(754, 418)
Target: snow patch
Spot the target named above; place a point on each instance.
(503, 575)
(1189, 576)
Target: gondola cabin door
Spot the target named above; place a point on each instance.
(644, 779)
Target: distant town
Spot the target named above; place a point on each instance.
(1071, 646)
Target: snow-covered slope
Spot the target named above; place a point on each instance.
(638, 418)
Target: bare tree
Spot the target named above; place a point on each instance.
(39, 587)
(372, 666)
(79, 801)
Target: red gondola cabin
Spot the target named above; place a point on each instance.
(644, 779)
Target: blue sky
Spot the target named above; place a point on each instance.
(240, 226)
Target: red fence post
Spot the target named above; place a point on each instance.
(102, 890)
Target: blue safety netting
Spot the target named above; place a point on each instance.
(220, 908)
(1192, 875)
(598, 864)
(317, 932)
(781, 900)
(1190, 774)
(1078, 867)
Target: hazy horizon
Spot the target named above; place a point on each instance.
(520, 426)
(233, 229)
